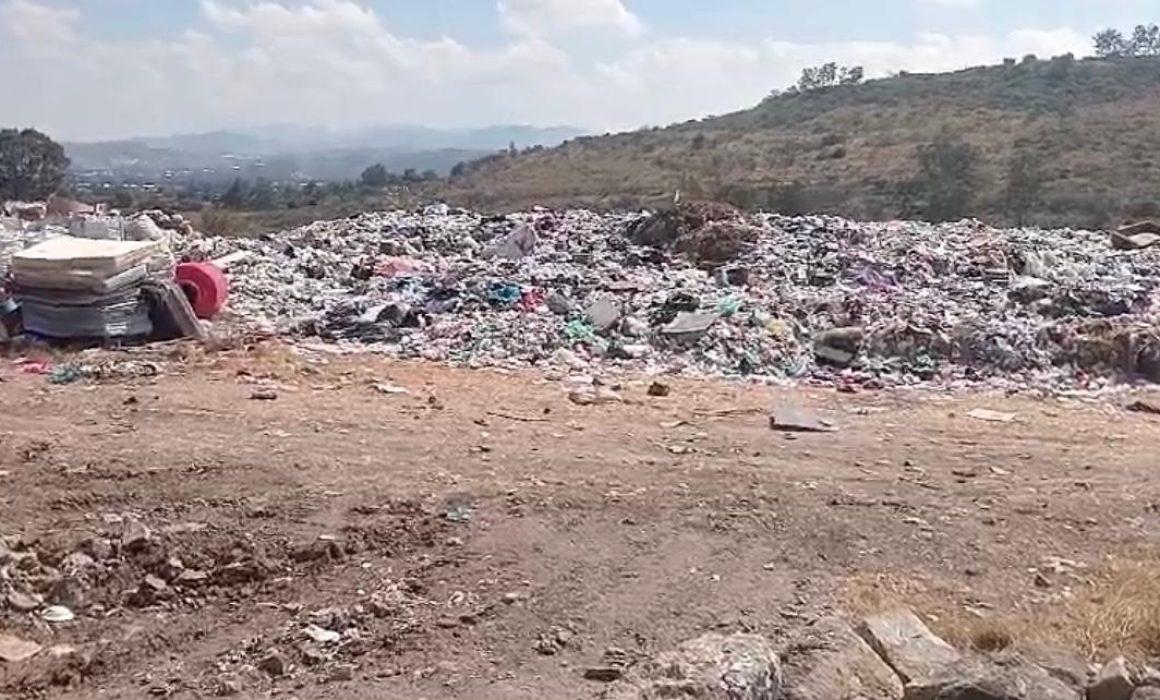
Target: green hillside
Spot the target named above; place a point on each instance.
(1091, 126)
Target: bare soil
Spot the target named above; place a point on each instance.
(483, 537)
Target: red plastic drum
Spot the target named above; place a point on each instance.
(206, 287)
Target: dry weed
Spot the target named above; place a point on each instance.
(1114, 611)
(1121, 612)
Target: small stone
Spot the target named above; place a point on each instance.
(659, 390)
(1113, 682)
(228, 687)
(274, 664)
(99, 548)
(77, 562)
(134, 535)
(634, 327)
(14, 650)
(560, 304)
(795, 419)
(603, 674)
(263, 395)
(21, 602)
(311, 654)
(553, 641)
(1149, 676)
(155, 583)
(172, 569)
(69, 592)
(1042, 581)
(342, 674)
(191, 577)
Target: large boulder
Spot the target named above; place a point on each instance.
(904, 642)
(1113, 682)
(1007, 677)
(829, 661)
(712, 667)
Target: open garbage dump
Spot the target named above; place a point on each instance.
(705, 290)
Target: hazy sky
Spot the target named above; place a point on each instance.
(109, 68)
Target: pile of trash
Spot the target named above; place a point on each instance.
(720, 294)
(70, 287)
(72, 272)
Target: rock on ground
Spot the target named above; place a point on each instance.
(999, 678)
(712, 667)
(904, 642)
(830, 661)
(1113, 682)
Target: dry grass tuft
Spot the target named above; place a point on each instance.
(1121, 613)
(991, 637)
(1114, 611)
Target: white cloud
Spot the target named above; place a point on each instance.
(677, 79)
(956, 4)
(29, 21)
(335, 63)
(549, 17)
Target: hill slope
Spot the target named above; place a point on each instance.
(850, 149)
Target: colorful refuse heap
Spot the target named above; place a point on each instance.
(74, 288)
(813, 298)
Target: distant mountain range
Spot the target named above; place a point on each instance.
(286, 152)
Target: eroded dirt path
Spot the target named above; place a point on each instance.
(483, 537)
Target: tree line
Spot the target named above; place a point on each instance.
(1143, 42)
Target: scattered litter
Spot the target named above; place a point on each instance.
(57, 613)
(985, 414)
(64, 374)
(322, 636)
(1143, 407)
(594, 395)
(799, 420)
(460, 513)
(520, 419)
(877, 305)
(389, 389)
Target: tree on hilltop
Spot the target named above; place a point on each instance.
(32, 165)
(830, 75)
(1145, 42)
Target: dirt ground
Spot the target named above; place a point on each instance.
(483, 537)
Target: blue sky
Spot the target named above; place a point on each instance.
(476, 21)
(162, 66)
